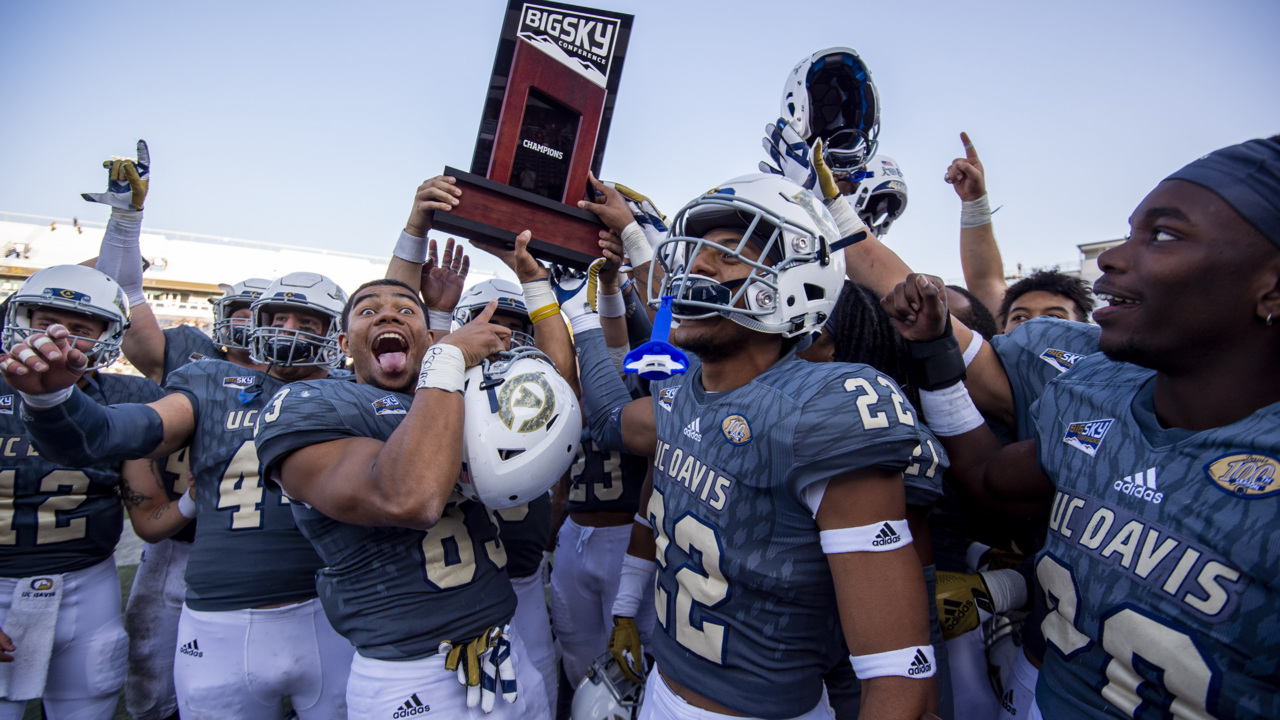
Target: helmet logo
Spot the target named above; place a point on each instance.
(527, 391)
(68, 294)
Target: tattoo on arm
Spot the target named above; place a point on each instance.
(132, 498)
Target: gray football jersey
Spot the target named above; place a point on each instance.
(55, 519)
(248, 551)
(1162, 566)
(744, 597)
(185, 344)
(1036, 352)
(394, 593)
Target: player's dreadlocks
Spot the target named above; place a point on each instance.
(865, 334)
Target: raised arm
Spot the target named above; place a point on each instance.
(1006, 478)
(120, 257)
(438, 193)
(979, 255)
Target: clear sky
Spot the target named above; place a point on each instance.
(312, 123)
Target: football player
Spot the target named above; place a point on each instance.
(767, 515)
(251, 574)
(414, 573)
(62, 637)
(1155, 458)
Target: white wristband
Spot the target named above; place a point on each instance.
(585, 322)
(1008, 589)
(971, 352)
(950, 411)
(44, 401)
(642, 520)
(975, 213)
(443, 368)
(847, 220)
(410, 248)
(540, 300)
(636, 244)
(911, 662)
(878, 537)
(637, 574)
(611, 306)
(187, 506)
(439, 320)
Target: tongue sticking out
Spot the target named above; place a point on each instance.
(392, 362)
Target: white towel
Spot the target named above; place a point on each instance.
(32, 619)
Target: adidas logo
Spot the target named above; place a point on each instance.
(886, 536)
(412, 706)
(919, 664)
(691, 430)
(952, 612)
(1007, 703)
(191, 649)
(1141, 485)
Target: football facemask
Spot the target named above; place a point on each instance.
(794, 277)
(881, 196)
(229, 332)
(605, 693)
(510, 302)
(73, 288)
(830, 95)
(288, 347)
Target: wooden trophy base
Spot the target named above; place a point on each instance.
(495, 212)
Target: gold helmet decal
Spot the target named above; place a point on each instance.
(532, 395)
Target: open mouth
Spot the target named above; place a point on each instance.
(390, 352)
(1116, 300)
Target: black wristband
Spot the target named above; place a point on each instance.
(938, 363)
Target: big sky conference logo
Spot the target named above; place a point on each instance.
(581, 41)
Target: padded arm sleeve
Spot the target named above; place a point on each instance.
(80, 432)
(603, 392)
(120, 256)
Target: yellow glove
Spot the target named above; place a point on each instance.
(640, 200)
(127, 182)
(484, 666)
(959, 597)
(826, 179)
(624, 646)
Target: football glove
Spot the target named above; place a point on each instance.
(127, 182)
(647, 215)
(624, 646)
(791, 156)
(575, 290)
(484, 667)
(959, 597)
(826, 178)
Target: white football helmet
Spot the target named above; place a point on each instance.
(797, 279)
(75, 288)
(521, 428)
(881, 196)
(292, 348)
(606, 694)
(510, 299)
(830, 95)
(235, 333)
